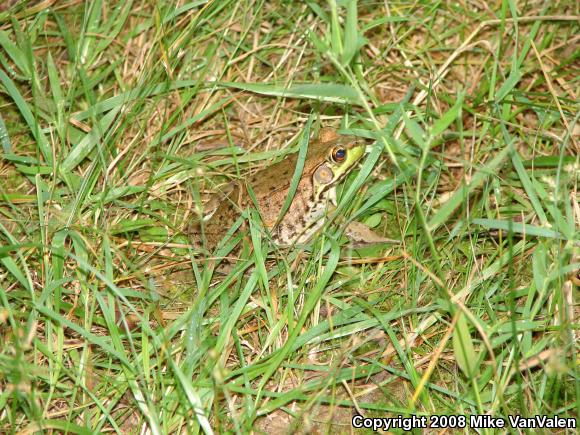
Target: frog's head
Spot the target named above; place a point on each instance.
(337, 156)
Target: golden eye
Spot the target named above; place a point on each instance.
(338, 155)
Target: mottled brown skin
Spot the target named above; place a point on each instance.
(270, 187)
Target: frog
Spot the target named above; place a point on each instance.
(328, 160)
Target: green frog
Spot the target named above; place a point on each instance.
(328, 161)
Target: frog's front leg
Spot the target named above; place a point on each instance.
(360, 235)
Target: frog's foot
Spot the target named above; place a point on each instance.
(360, 235)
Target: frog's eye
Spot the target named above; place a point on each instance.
(338, 154)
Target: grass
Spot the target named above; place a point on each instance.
(118, 118)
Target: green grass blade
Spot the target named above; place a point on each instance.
(26, 113)
(325, 92)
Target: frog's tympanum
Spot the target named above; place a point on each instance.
(328, 160)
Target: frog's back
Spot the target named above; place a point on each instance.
(277, 177)
(271, 186)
